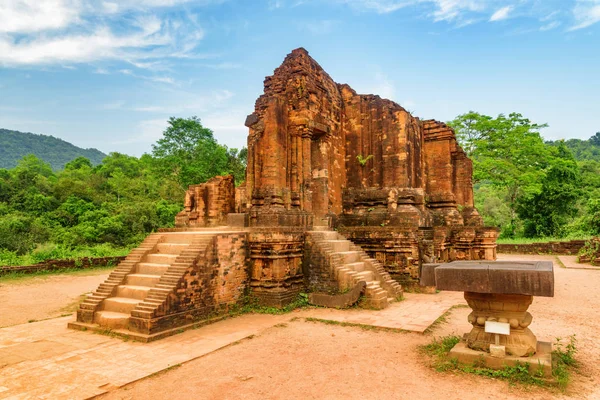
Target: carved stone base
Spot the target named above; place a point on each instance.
(510, 308)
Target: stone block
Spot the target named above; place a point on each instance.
(428, 274)
(533, 278)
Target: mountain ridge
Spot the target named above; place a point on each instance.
(55, 151)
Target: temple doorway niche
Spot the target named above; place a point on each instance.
(319, 152)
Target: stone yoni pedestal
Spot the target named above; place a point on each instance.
(501, 292)
(508, 308)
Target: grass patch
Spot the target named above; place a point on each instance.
(51, 251)
(354, 325)
(250, 304)
(563, 358)
(540, 240)
(19, 275)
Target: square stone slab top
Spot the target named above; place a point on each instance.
(534, 278)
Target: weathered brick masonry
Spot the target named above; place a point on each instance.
(398, 186)
(320, 157)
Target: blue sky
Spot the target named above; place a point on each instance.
(108, 73)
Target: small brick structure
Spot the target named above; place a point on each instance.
(591, 252)
(209, 203)
(397, 189)
(570, 247)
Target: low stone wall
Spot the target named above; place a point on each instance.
(571, 247)
(56, 265)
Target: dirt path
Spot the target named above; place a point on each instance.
(316, 361)
(48, 296)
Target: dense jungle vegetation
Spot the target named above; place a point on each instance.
(528, 187)
(103, 210)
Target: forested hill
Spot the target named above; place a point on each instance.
(583, 150)
(14, 145)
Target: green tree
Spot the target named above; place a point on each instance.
(547, 212)
(507, 152)
(189, 153)
(236, 164)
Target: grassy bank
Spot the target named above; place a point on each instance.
(50, 251)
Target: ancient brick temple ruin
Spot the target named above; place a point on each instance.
(343, 191)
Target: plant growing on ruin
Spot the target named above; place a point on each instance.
(363, 160)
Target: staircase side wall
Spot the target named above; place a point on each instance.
(316, 267)
(207, 289)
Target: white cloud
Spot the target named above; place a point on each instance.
(586, 13)
(152, 78)
(190, 102)
(46, 32)
(148, 131)
(380, 6)
(550, 26)
(110, 7)
(450, 10)
(380, 84)
(444, 10)
(24, 16)
(501, 14)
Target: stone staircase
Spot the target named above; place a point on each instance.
(140, 285)
(349, 264)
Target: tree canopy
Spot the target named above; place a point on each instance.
(46, 213)
(526, 186)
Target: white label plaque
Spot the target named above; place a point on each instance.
(501, 328)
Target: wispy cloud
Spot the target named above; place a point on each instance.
(223, 65)
(190, 103)
(152, 78)
(550, 26)
(460, 13)
(501, 13)
(46, 32)
(115, 105)
(320, 27)
(25, 16)
(586, 13)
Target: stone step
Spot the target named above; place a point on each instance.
(366, 276)
(148, 268)
(133, 292)
(160, 258)
(339, 245)
(357, 266)
(120, 304)
(171, 248)
(186, 238)
(349, 257)
(142, 279)
(325, 235)
(111, 319)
